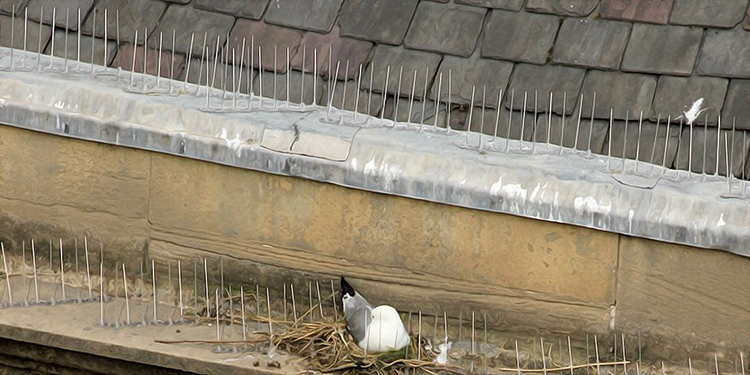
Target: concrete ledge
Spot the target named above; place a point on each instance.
(72, 327)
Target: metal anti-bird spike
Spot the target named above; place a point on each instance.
(343, 92)
(62, 270)
(7, 276)
(127, 297)
(102, 323)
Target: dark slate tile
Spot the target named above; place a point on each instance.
(196, 73)
(708, 13)
(644, 146)
(725, 54)
(437, 116)
(544, 79)
(574, 8)
(177, 1)
(620, 91)
(524, 37)
(514, 5)
(566, 130)
(340, 49)
(63, 6)
(662, 49)
(431, 119)
(124, 59)
(674, 95)
(401, 113)
(315, 15)
(86, 48)
(7, 7)
(704, 142)
(383, 21)
(651, 11)
(200, 21)
(32, 34)
(397, 57)
(489, 120)
(591, 43)
(346, 97)
(296, 95)
(265, 37)
(450, 29)
(252, 9)
(134, 15)
(464, 73)
(736, 105)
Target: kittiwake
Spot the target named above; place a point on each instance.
(374, 329)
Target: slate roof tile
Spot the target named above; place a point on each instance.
(677, 94)
(263, 38)
(574, 8)
(467, 72)
(650, 11)
(397, 57)
(519, 36)
(567, 131)
(32, 36)
(124, 58)
(662, 49)
(86, 47)
(704, 142)
(350, 98)
(557, 79)
(200, 21)
(591, 43)
(725, 14)
(6, 7)
(252, 9)
(645, 148)
(196, 73)
(490, 118)
(725, 53)
(736, 105)
(382, 21)
(296, 93)
(63, 6)
(340, 49)
(621, 91)
(315, 15)
(514, 5)
(450, 29)
(134, 15)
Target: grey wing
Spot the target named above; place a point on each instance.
(358, 314)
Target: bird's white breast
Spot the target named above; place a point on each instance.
(383, 336)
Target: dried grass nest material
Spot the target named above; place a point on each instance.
(327, 347)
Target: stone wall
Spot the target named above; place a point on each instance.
(527, 274)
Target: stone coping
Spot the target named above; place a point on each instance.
(371, 154)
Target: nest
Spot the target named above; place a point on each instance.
(327, 347)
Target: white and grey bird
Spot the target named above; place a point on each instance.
(374, 329)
